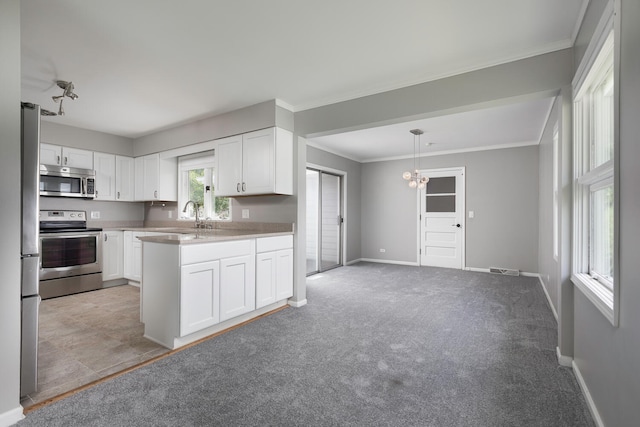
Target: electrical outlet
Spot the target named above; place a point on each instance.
(245, 213)
(170, 213)
(383, 250)
(95, 214)
(471, 214)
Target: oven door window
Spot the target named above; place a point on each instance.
(60, 184)
(68, 251)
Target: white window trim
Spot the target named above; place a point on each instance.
(604, 298)
(201, 160)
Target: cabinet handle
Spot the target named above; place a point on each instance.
(106, 237)
(66, 160)
(118, 196)
(58, 160)
(96, 194)
(244, 187)
(155, 194)
(238, 188)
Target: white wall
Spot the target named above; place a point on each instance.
(607, 357)
(501, 189)
(10, 409)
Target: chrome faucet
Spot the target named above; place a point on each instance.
(195, 207)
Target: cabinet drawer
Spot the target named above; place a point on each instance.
(267, 244)
(191, 254)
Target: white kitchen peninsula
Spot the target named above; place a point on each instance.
(199, 283)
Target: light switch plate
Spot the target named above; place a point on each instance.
(245, 213)
(471, 214)
(95, 214)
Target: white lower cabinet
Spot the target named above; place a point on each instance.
(237, 286)
(112, 255)
(199, 301)
(133, 255)
(274, 269)
(188, 289)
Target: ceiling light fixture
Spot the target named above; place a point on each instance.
(67, 88)
(415, 179)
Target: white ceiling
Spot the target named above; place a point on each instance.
(140, 66)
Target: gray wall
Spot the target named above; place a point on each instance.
(10, 210)
(501, 189)
(259, 116)
(547, 265)
(608, 357)
(69, 136)
(539, 76)
(354, 188)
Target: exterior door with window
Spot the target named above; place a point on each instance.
(442, 219)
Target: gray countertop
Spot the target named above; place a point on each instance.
(195, 236)
(177, 235)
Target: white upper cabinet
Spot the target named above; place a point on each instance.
(124, 178)
(156, 178)
(65, 156)
(228, 172)
(105, 167)
(254, 163)
(50, 154)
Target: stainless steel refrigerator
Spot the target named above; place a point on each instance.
(29, 247)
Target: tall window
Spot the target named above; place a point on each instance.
(594, 181)
(196, 183)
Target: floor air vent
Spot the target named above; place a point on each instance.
(505, 271)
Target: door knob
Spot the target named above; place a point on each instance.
(458, 225)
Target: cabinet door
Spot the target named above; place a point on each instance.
(265, 279)
(237, 286)
(150, 177)
(199, 296)
(284, 274)
(124, 178)
(258, 162)
(105, 167)
(112, 255)
(228, 172)
(136, 270)
(132, 255)
(77, 158)
(50, 154)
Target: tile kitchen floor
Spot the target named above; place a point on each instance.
(88, 336)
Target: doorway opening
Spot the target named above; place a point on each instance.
(324, 220)
(442, 226)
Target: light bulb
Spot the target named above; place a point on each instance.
(407, 175)
(426, 179)
(413, 184)
(422, 185)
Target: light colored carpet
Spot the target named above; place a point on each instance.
(377, 344)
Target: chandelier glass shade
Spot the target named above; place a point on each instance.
(416, 180)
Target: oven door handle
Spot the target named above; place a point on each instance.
(74, 235)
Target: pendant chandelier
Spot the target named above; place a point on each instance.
(415, 179)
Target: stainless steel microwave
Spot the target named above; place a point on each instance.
(64, 181)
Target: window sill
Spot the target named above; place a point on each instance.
(598, 294)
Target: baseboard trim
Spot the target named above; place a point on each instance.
(486, 270)
(553, 309)
(355, 261)
(388, 261)
(297, 304)
(564, 360)
(11, 417)
(587, 395)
